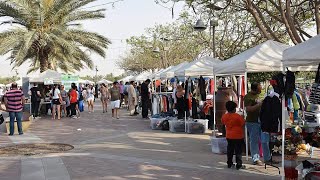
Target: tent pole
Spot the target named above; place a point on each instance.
(246, 129)
(214, 106)
(283, 130)
(185, 111)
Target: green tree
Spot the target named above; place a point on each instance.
(49, 34)
(176, 42)
(273, 19)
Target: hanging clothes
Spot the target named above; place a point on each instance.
(202, 87)
(271, 113)
(180, 106)
(194, 109)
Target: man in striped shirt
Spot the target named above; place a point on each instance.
(14, 101)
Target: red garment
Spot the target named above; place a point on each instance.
(73, 96)
(212, 86)
(234, 125)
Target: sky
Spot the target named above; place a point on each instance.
(124, 19)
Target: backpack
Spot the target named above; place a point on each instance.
(271, 114)
(165, 125)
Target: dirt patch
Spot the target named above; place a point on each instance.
(34, 149)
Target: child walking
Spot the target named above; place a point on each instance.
(235, 134)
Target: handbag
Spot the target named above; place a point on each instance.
(1, 119)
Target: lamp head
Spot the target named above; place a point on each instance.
(200, 26)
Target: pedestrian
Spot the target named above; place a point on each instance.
(115, 96)
(65, 101)
(137, 95)
(104, 97)
(90, 97)
(35, 100)
(81, 99)
(235, 134)
(145, 97)
(121, 86)
(73, 101)
(56, 101)
(179, 103)
(14, 101)
(252, 105)
(132, 98)
(125, 94)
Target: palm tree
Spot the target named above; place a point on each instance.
(49, 34)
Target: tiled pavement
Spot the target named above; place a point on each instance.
(108, 148)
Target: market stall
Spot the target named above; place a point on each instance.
(266, 57)
(303, 57)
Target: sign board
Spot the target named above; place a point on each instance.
(66, 80)
(48, 81)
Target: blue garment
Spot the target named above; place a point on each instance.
(265, 139)
(81, 106)
(254, 130)
(18, 117)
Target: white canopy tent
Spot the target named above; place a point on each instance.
(105, 81)
(141, 77)
(48, 74)
(170, 72)
(304, 56)
(82, 81)
(265, 57)
(126, 79)
(157, 74)
(199, 67)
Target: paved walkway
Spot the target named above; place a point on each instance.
(118, 149)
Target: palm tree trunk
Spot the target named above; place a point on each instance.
(43, 58)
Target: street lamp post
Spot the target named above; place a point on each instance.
(200, 26)
(96, 74)
(164, 51)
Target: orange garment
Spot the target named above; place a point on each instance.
(234, 125)
(164, 100)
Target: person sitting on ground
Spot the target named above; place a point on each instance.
(235, 135)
